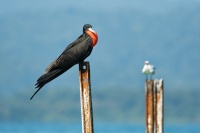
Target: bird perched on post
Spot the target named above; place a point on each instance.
(148, 69)
(74, 53)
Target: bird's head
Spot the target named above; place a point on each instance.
(146, 62)
(87, 28)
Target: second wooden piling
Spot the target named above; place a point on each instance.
(154, 93)
(149, 94)
(159, 108)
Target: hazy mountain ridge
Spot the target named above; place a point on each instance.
(109, 105)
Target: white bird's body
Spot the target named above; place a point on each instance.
(148, 69)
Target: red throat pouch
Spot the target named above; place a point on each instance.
(94, 37)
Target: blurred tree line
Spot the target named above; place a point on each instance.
(109, 105)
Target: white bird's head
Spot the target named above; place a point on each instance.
(146, 62)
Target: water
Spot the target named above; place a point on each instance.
(99, 128)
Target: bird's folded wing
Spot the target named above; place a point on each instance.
(79, 39)
(54, 65)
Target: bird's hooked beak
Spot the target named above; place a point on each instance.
(90, 29)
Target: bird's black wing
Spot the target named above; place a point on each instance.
(79, 39)
(55, 64)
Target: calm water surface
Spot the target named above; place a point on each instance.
(99, 128)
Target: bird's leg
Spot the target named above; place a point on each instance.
(80, 65)
(81, 62)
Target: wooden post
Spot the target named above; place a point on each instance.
(155, 104)
(86, 99)
(159, 107)
(149, 94)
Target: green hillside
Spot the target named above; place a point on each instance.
(109, 104)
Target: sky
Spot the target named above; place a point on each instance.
(34, 33)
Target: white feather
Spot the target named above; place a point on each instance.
(148, 69)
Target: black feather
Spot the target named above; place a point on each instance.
(74, 53)
(45, 79)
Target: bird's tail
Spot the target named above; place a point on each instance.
(47, 77)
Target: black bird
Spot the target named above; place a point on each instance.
(75, 53)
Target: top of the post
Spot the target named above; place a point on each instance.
(84, 66)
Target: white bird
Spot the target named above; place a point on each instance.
(148, 69)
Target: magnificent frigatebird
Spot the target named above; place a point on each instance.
(75, 53)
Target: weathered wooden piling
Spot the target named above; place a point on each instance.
(154, 106)
(159, 108)
(149, 94)
(86, 98)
